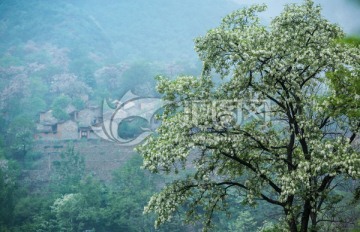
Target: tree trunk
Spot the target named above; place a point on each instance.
(305, 216)
(291, 220)
(292, 225)
(313, 217)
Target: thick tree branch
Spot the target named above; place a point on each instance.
(252, 168)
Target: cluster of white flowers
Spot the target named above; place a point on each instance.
(165, 203)
(284, 64)
(65, 203)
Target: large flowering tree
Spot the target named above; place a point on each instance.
(293, 156)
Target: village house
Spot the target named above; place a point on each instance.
(82, 123)
(78, 126)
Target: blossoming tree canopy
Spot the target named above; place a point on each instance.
(293, 154)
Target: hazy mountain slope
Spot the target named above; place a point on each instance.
(120, 30)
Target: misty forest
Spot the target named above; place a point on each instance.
(206, 115)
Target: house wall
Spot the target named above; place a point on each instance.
(65, 131)
(86, 116)
(68, 130)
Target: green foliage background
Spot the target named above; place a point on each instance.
(40, 39)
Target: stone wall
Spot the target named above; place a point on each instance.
(101, 158)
